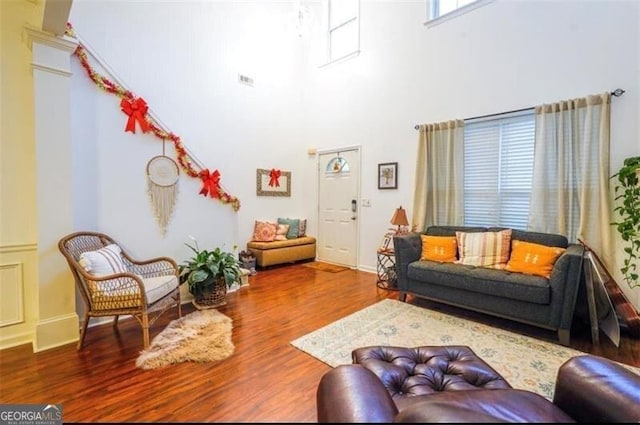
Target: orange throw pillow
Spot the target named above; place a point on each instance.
(264, 231)
(532, 258)
(439, 248)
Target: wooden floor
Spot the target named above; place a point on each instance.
(265, 380)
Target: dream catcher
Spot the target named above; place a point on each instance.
(162, 186)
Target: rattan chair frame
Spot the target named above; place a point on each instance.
(126, 294)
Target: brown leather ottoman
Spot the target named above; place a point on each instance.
(451, 384)
(408, 372)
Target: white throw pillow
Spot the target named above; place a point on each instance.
(104, 261)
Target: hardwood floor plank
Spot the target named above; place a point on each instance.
(265, 380)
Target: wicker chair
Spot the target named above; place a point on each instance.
(144, 289)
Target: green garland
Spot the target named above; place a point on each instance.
(627, 196)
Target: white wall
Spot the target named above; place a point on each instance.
(184, 57)
(503, 56)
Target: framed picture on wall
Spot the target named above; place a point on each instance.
(388, 175)
(273, 182)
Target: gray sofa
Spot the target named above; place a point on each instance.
(546, 303)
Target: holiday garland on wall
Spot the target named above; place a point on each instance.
(137, 110)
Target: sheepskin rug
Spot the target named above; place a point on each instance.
(200, 336)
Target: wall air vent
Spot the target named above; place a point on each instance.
(245, 79)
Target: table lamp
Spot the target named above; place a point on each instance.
(399, 219)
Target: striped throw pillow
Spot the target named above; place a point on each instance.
(484, 249)
(104, 261)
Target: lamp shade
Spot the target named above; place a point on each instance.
(400, 217)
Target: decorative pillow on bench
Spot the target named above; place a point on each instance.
(294, 226)
(281, 232)
(264, 231)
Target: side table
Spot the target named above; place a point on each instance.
(386, 270)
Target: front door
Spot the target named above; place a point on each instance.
(338, 187)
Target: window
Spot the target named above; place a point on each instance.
(498, 170)
(441, 10)
(337, 165)
(343, 29)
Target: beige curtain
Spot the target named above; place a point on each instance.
(570, 193)
(437, 199)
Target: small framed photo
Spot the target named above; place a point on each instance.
(387, 243)
(388, 175)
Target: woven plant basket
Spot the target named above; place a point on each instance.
(211, 299)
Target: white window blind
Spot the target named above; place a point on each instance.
(498, 167)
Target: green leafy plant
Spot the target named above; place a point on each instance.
(627, 199)
(206, 267)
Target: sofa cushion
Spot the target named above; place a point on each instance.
(548, 239)
(532, 258)
(500, 283)
(451, 230)
(439, 248)
(485, 249)
(493, 406)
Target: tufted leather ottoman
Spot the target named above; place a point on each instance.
(408, 372)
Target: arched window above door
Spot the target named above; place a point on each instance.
(337, 165)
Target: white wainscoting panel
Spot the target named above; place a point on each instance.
(11, 294)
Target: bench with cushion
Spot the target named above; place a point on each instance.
(282, 242)
(280, 252)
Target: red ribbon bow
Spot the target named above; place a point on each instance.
(137, 110)
(210, 183)
(275, 175)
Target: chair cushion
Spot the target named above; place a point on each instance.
(158, 287)
(494, 405)
(104, 261)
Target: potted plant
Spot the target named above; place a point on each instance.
(209, 274)
(627, 198)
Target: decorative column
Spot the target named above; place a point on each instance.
(57, 322)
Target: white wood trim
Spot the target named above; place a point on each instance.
(25, 247)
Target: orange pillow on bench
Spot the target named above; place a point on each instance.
(264, 231)
(532, 258)
(439, 248)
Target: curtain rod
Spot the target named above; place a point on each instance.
(616, 93)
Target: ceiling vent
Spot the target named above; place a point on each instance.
(245, 79)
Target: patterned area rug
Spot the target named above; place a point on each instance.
(526, 363)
